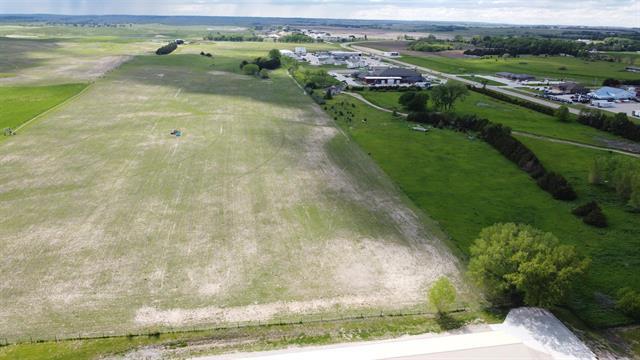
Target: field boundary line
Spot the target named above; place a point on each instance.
(303, 319)
(515, 132)
(55, 107)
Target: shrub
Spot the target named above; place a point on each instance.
(442, 295)
(619, 173)
(596, 218)
(629, 302)
(584, 210)
(250, 69)
(264, 74)
(562, 113)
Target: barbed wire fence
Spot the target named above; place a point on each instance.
(151, 332)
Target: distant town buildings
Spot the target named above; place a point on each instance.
(516, 77)
(568, 88)
(391, 77)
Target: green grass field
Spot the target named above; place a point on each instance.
(590, 73)
(263, 209)
(466, 185)
(20, 104)
(253, 338)
(516, 117)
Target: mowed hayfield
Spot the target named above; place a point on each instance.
(262, 209)
(466, 185)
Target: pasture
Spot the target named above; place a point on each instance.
(466, 185)
(263, 209)
(516, 117)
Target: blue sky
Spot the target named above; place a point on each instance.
(570, 12)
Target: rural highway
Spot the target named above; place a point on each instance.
(439, 74)
(514, 132)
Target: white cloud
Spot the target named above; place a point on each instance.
(570, 12)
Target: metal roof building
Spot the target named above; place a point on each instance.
(611, 93)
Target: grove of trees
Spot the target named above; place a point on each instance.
(167, 49)
(519, 264)
(260, 65)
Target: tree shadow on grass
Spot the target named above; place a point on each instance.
(448, 322)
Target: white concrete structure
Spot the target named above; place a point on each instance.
(300, 50)
(527, 333)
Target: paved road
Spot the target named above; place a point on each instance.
(526, 333)
(519, 133)
(457, 78)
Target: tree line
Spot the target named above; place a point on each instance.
(167, 49)
(296, 38)
(430, 44)
(232, 37)
(618, 124)
(525, 45)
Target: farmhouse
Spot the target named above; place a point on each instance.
(516, 77)
(568, 88)
(611, 93)
(391, 76)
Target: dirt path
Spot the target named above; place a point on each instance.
(519, 133)
(568, 142)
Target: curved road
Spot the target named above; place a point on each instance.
(519, 133)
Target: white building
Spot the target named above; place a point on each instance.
(391, 54)
(300, 50)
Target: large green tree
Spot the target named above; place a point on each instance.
(522, 264)
(414, 100)
(445, 96)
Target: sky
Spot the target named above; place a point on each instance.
(548, 12)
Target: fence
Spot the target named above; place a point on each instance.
(150, 332)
